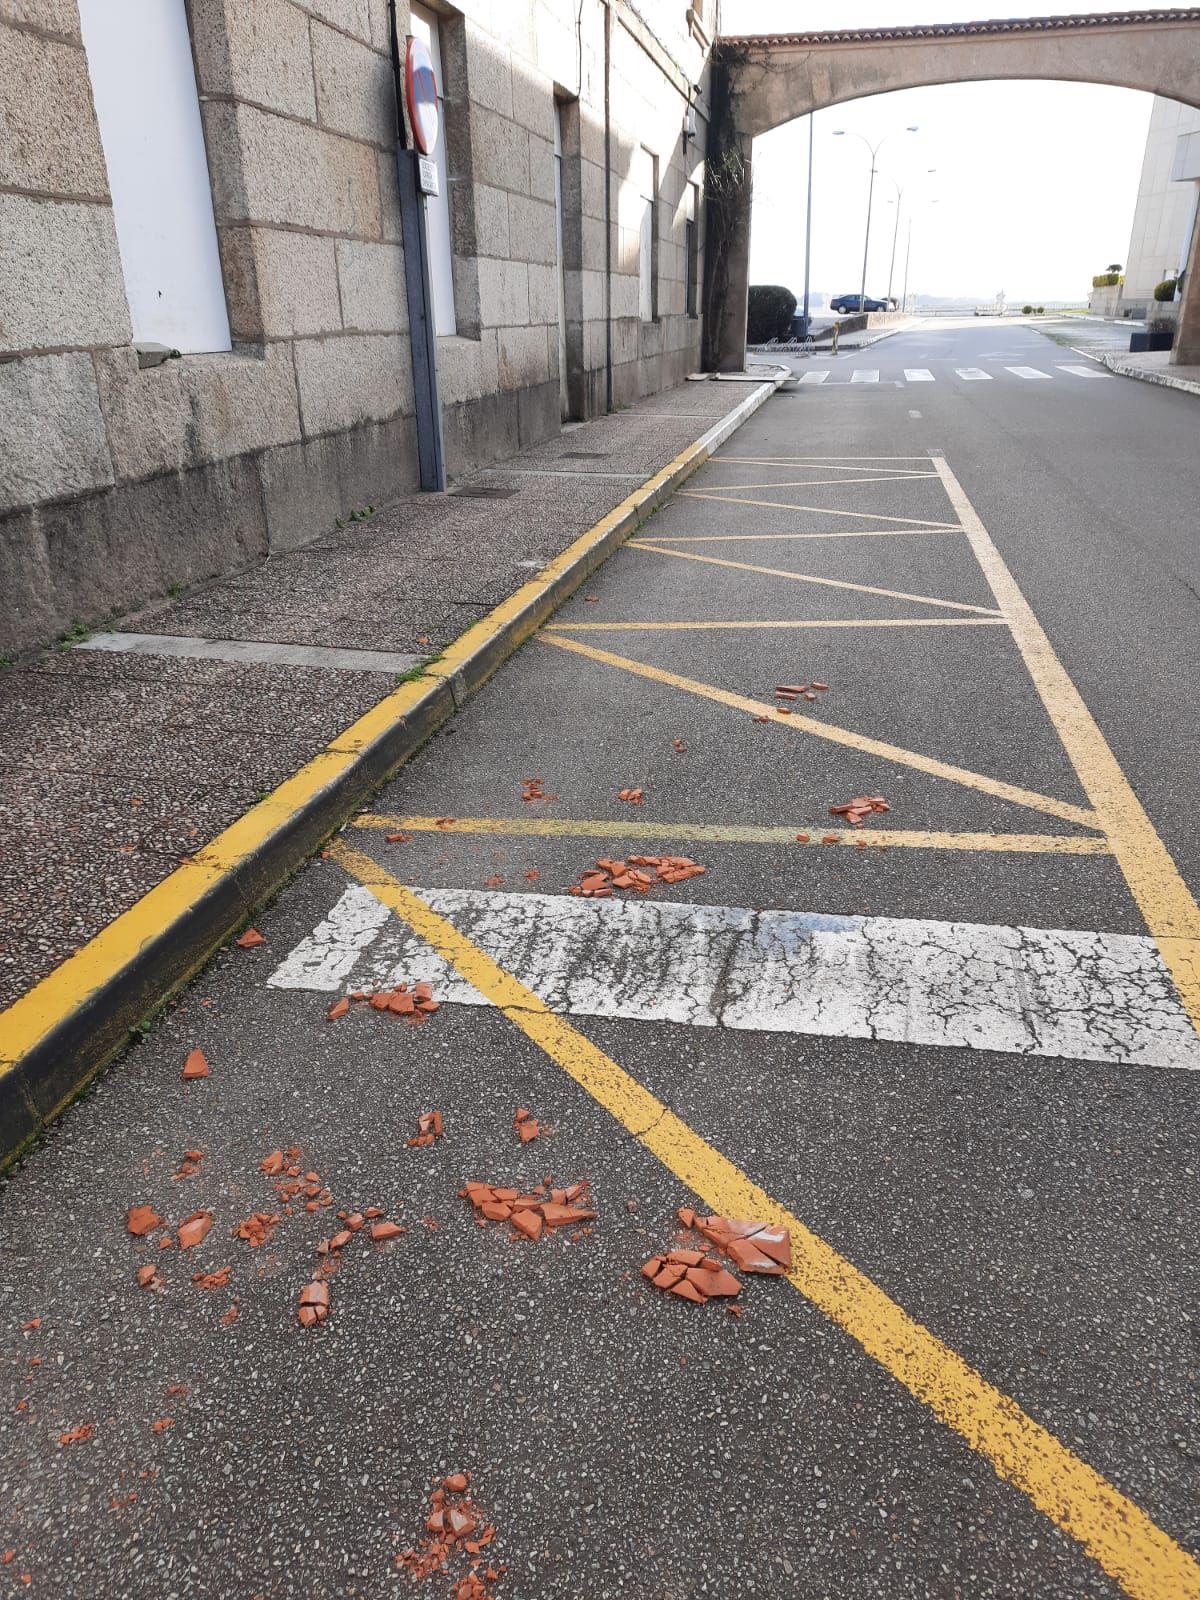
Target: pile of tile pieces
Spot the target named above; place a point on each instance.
(455, 1524)
(787, 692)
(535, 789)
(314, 1306)
(754, 1247)
(598, 882)
(415, 1004)
(634, 797)
(530, 1214)
(292, 1183)
(861, 806)
(429, 1129)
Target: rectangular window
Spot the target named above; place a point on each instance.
(139, 59)
(691, 253)
(648, 243)
(437, 210)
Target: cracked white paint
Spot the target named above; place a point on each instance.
(1086, 996)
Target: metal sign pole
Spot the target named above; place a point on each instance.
(422, 327)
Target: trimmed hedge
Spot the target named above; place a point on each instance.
(1166, 289)
(770, 312)
(1107, 280)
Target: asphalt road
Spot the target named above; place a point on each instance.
(989, 1338)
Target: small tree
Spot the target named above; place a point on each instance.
(1026, 311)
(770, 312)
(1113, 266)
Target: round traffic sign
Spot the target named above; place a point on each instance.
(420, 90)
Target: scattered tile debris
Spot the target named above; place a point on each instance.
(415, 1004)
(148, 1278)
(598, 882)
(162, 1424)
(753, 1246)
(250, 939)
(212, 1280)
(395, 838)
(535, 789)
(314, 1303)
(801, 838)
(691, 1275)
(196, 1065)
(231, 1315)
(142, 1220)
(381, 1232)
(797, 691)
(77, 1435)
(543, 1207)
(679, 747)
(190, 1165)
(527, 1125)
(429, 1128)
(861, 806)
(34, 1322)
(532, 874)
(494, 882)
(831, 838)
(444, 822)
(635, 797)
(454, 1525)
(760, 719)
(193, 1230)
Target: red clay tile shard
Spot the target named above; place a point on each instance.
(526, 1124)
(212, 1280)
(754, 1246)
(395, 838)
(338, 1009)
(194, 1229)
(801, 838)
(457, 1482)
(142, 1220)
(231, 1315)
(257, 1228)
(28, 1327)
(148, 1277)
(196, 1066)
(634, 797)
(251, 938)
(273, 1164)
(163, 1424)
(314, 1303)
(380, 1231)
(679, 747)
(77, 1435)
(817, 685)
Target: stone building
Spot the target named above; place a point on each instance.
(218, 178)
(1164, 218)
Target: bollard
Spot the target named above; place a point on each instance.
(836, 327)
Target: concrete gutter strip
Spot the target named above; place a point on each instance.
(1126, 369)
(63, 1030)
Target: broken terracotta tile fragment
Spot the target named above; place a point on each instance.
(250, 939)
(142, 1220)
(272, 1164)
(77, 1435)
(339, 1008)
(162, 1424)
(257, 1229)
(314, 1303)
(231, 1315)
(148, 1277)
(395, 838)
(194, 1229)
(196, 1065)
(686, 1290)
(381, 1231)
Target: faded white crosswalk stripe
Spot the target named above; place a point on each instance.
(864, 375)
(970, 373)
(1030, 991)
(814, 377)
(918, 375)
(1082, 371)
(1027, 372)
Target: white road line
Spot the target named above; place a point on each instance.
(814, 377)
(1027, 372)
(918, 375)
(1083, 372)
(973, 373)
(864, 375)
(1084, 996)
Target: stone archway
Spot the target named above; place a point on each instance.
(761, 82)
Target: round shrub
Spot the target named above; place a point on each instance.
(1166, 289)
(770, 312)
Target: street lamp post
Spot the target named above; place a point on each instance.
(896, 234)
(808, 223)
(908, 257)
(874, 149)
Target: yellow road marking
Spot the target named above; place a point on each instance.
(1166, 903)
(820, 511)
(70, 985)
(738, 833)
(807, 577)
(837, 533)
(1116, 1533)
(790, 622)
(798, 722)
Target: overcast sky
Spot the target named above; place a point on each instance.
(1033, 185)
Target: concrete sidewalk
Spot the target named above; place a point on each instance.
(124, 753)
(1154, 366)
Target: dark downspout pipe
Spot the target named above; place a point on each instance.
(608, 327)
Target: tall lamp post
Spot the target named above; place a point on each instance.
(896, 230)
(840, 133)
(907, 258)
(808, 223)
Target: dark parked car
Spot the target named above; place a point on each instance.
(855, 302)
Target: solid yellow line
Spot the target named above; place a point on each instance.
(1115, 1532)
(806, 577)
(812, 461)
(737, 833)
(838, 533)
(820, 511)
(44, 1007)
(798, 722)
(1166, 903)
(791, 622)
